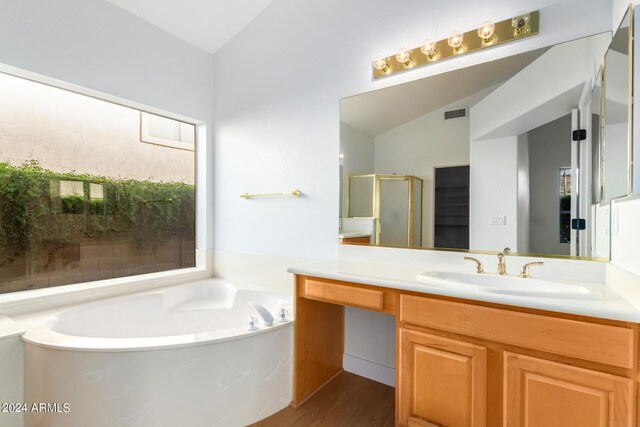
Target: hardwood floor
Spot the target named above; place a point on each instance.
(349, 400)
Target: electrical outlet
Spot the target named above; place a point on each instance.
(497, 220)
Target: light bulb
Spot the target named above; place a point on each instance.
(455, 40)
(486, 31)
(404, 57)
(520, 22)
(380, 63)
(428, 48)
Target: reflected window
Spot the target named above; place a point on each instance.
(72, 197)
(565, 205)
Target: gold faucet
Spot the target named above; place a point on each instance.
(502, 265)
(524, 273)
(479, 267)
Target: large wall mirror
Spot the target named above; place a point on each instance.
(485, 157)
(617, 120)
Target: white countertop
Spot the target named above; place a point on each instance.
(9, 328)
(610, 305)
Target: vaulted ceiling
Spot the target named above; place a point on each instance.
(207, 24)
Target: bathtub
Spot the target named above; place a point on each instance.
(181, 356)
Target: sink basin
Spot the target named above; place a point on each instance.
(512, 285)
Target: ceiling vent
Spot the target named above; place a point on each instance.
(460, 113)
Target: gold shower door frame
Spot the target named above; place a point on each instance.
(375, 202)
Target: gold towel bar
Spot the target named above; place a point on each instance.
(294, 193)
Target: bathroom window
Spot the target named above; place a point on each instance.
(81, 198)
(159, 130)
(565, 205)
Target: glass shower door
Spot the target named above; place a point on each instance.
(394, 211)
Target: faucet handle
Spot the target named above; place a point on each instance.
(253, 322)
(283, 315)
(524, 273)
(479, 267)
(506, 250)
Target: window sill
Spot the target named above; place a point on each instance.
(41, 299)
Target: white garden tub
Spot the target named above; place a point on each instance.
(182, 356)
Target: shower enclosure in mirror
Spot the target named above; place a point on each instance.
(392, 204)
(498, 151)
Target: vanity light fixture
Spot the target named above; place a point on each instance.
(455, 41)
(381, 64)
(404, 57)
(488, 34)
(429, 48)
(520, 23)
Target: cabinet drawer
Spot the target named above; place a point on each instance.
(321, 290)
(611, 345)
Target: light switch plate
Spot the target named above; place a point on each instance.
(498, 220)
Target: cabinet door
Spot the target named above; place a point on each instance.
(442, 382)
(542, 393)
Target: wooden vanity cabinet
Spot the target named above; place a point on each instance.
(542, 393)
(355, 240)
(532, 353)
(468, 363)
(442, 381)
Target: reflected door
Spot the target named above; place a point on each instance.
(394, 211)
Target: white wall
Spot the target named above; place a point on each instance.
(524, 194)
(371, 336)
(277, 109)
(549, 150)
(601, 231)
(494, 193)
(357, 149)
(618, 9)
(278, 84)
(417, 147)
(625, 234)
(547, 88)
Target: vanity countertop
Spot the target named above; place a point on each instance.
(610, 305)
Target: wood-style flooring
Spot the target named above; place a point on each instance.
(348, 400)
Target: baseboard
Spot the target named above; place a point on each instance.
(299, 403)
(365, 368)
